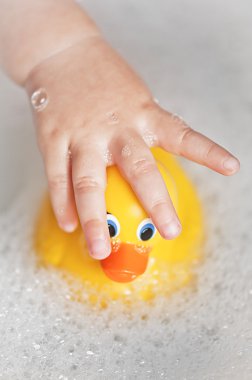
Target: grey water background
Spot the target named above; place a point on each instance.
(196, 56)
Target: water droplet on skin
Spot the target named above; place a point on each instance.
(108, 158)
(127, 148)
(150, 138)
(113, 117)
(69, 154)
(39, 99)
(126, 151)
(60, 211)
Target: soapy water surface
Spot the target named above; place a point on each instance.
(47, 335)
(203, 332)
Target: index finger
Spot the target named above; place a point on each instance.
(177, 137)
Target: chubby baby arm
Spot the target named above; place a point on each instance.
(92, 110)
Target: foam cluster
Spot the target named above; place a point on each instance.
(202, 332)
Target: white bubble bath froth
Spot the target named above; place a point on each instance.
(197, 66)
(202, 332)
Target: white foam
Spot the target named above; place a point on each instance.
(44, 334)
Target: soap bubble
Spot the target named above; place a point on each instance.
(39, 99)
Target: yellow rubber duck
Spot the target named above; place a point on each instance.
(142, 263)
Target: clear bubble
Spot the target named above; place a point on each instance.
(115, 244)
(142, 249)
(36, 346)
(39, 99)
(89, 352)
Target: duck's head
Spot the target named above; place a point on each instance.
(132, 232)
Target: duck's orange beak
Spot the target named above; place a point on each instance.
(126, 263)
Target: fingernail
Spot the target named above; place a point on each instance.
(99, 249)
(231, 164)
(171, 230)
(68, 227)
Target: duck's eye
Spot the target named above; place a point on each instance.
(146, 230)
(113, 225)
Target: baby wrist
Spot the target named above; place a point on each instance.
(59, 26)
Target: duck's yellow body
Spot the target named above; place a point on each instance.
(167, 265)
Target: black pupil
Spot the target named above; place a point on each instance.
(112, 230)
(146, 234)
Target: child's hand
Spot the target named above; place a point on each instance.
(100, 113)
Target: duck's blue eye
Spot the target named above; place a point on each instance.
(113, 225)
(146, 230)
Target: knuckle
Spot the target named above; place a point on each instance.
(49, 138)
(43, 142)
(184, 135)
(149, 112)
(209, 151)
(142, 166)
(157, 204)
(58, 182)
(92, 224)
(54, 134)
(161, 207)
(87, 184)
(149, 106)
